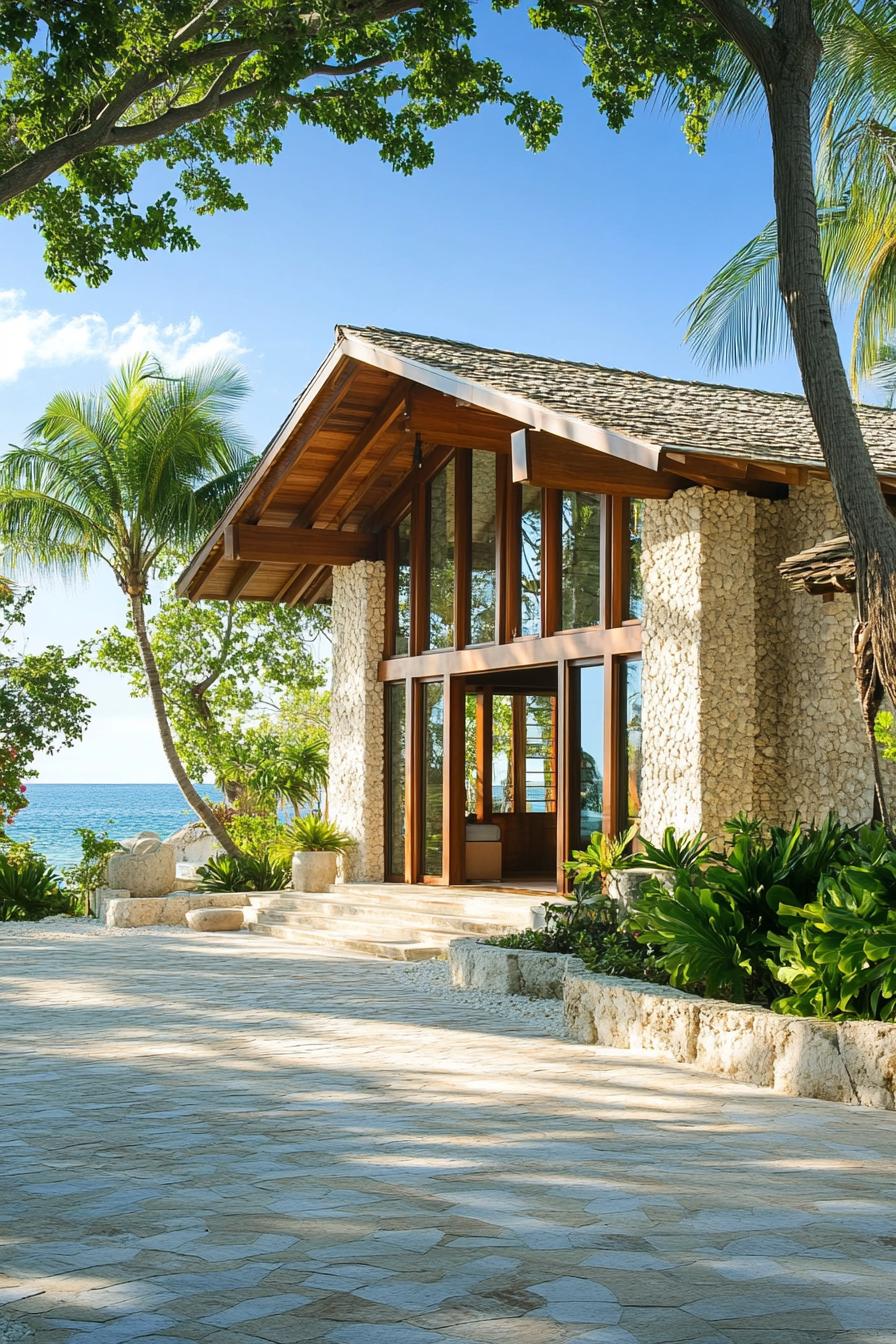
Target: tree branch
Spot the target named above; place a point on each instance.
(746, 30)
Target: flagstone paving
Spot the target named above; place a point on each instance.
(217, 1138)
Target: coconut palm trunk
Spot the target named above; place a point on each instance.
(154, 684)
(788, 87)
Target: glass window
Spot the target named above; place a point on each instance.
(396, 719)
(540, 790)
(482, 549)
(441, 559)
(631, 742)
(471, 767)
(589, 761)
(530, 561)
(502, 753)
(433, 765)
(403, 585)
(634, 607)
(580, 558)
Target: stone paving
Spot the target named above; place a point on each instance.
(220, 1138)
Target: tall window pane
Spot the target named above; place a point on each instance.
(433, 766)
(540, 789)
(482, 550)
(396, 718)
(632, 738)
(502, 753)
(403, 586)
(441, 559)
(635, 520)
(530, 561)
(590, 757)
(580, 543)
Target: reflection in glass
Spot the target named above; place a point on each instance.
(502, 753)
(635, 524)
(540, 788)
(580, 551)
(590, 809)
(471, 768)
(530, 561)
(433, 765)
(632, 738)
(441, 559)
(482, 568)
(396, 718)
(403, 586)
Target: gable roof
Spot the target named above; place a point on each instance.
(711, 418)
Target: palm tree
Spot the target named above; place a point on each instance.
(740, 317)
(128, 477)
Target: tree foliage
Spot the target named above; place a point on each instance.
(41, 708)
(92, 91)
(225, 668)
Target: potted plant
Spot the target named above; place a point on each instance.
(315, 844)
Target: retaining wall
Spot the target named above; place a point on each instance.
(853, 1062)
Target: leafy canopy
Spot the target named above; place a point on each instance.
(93, 90)
(41, 708)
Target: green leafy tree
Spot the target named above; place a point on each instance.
(92, 91)
(224, 668)
(41, 708)
(125, 478)
(702, 52)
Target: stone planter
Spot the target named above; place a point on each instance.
(147, 868)
(313, 870)
(624, 884)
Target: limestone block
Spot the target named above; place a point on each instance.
(132, 913)
(868, 1051)
(541, 974)
(737, 1041)
(481, 966)
(460, 962)
(101, 898)
(143, 874)
(215, 919)
(313, 871)
(808, 1061)
(669, 1024)
(194, 844)
(580, 997)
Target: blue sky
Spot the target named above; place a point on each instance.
(588, 251)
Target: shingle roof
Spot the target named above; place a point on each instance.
(699, 417)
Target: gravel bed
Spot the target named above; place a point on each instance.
(544, 1017)
(77, 926)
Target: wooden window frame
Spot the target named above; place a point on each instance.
(390, 875)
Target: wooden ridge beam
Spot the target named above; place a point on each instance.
(293, 546)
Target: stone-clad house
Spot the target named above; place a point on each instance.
(555, 600)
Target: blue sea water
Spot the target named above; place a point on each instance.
(54, 810)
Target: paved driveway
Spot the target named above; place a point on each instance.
(221, 1138)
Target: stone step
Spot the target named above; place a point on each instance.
(324, 910)
(508, 911)
(375, 927)
(371, 947)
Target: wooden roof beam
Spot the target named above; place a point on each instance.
(545, 460)
(290, 545)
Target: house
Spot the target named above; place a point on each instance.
(555, 602)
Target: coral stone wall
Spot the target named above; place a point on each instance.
(356, 789)
(699, 673)
(748, 699)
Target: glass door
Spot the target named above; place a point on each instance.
(433, 742)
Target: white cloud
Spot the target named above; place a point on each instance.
(35, 338)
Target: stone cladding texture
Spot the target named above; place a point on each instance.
(356, 716)
(748, 700)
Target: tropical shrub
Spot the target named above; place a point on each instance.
(84, 877)
(311, 834)
(590, 867)
(245, 872)
(674, 852)
(255, 835)
(29, 887)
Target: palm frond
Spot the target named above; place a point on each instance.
(740, 317)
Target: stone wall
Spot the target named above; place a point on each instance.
(748, 699)
(356, 788)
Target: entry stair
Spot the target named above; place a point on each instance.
(399, 921)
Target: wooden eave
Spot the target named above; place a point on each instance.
(342, 466)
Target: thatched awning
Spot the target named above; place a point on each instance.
(826, 568)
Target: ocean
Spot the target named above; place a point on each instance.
(54, 810)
